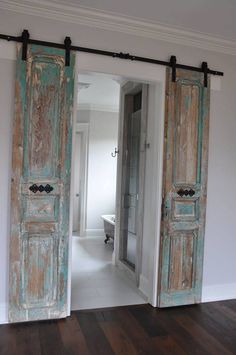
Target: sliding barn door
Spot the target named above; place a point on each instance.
(184, 189)
(40, 185)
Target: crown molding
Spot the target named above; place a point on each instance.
(119, 23)
(98, 107)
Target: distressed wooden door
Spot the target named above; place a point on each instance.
(40, 188)
(184, 189)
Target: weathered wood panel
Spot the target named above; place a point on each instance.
(181, 272)
(41, 160)
(39, 273)
(184, 190)
(186, 134)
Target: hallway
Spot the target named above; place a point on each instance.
(96, 283)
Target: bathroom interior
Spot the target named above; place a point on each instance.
(97, 281)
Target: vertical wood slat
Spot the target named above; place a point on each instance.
(42, 136)
(184, 168)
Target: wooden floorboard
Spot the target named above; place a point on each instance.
(208, 328)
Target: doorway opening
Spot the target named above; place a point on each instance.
(155, 76)
(108, 194)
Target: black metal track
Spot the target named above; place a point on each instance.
(121, 55)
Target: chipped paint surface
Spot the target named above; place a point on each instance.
(185, 167)
(41, 155)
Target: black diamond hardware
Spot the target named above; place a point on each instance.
(186, 192)
(48, 188)
(181, 192)
(41, 188)
(33, 188)
(191, 192)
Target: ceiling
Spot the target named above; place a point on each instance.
(214, 17)
(98, 91)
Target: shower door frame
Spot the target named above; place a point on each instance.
(83, 129)
(128, 90)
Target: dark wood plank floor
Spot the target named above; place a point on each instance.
(201, 329)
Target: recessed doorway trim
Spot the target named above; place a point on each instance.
(155, 76)
(83, 128)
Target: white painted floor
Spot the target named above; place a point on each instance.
(96, 283)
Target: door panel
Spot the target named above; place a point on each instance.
(41, 144)
(41, 185)
(39, 273)
(181, 272)
(186, 134)
(184, 190)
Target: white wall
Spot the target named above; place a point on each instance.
(219, 279)
(101, 184)
(83, 116)
(7, 73)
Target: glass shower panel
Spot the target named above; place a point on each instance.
(133, 137)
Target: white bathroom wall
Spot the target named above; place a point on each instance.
(83, 116)
(101, 183)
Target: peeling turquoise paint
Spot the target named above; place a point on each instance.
(183, 219)
(40, 223)
(182, 209)
(187, 102)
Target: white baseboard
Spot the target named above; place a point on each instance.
(94, 232)
(218, 292)
(144, 285)
(3, 313)
(209, 293)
